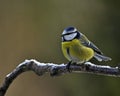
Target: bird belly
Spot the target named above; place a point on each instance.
(75, 52)
(82, 54)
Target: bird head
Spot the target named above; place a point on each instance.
(70, 33)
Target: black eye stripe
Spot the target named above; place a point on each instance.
(68, 33)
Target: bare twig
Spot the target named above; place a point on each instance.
(55, 70)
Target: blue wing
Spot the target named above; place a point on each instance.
(98, 53)
(87, 43)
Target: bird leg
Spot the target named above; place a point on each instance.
(68, 66)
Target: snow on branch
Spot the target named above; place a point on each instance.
(56, 70)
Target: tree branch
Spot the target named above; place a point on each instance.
(55, 70)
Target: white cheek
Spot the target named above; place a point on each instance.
(70, 36)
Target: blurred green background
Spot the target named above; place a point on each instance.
(32, 29)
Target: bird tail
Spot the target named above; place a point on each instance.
(102, 57)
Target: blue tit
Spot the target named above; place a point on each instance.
(78, 49)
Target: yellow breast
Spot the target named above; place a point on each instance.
(75, 51)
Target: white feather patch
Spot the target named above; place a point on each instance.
(70, 36)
